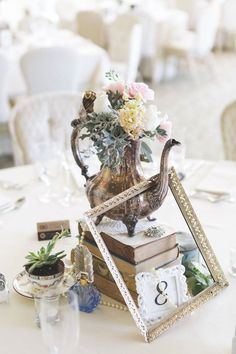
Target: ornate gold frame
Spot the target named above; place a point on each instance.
(200, 238)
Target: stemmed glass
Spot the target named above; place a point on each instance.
(48, 156)
(59, 321)
(66, 196)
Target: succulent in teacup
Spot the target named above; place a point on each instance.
(44, 257)
(44, 269)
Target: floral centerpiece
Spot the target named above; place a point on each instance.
(118, 120)
(123, 113)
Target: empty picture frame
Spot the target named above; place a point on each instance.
(172, 306)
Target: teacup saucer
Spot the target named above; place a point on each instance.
(23, 287)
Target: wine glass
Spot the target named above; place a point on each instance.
(68, 193)
(59, 321)
(48, 156)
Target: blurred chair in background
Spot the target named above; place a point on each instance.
(198, 44)
(90, 25)
(43, 118)
(191, 7)
(228, 130)
(5, 147)
(51, 69)
(228, 24)
(124, 45)
(4, 107)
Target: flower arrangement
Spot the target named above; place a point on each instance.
(122, 113)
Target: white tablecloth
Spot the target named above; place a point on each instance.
(94, 60)
(208, 330)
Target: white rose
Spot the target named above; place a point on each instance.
(101, 104)
(152, 118)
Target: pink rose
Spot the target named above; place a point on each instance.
(142, 90)
(115, 87)
(167, 126)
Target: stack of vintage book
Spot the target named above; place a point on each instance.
(131, 256)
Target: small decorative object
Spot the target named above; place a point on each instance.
(117, 120)
(232, 263)
(4, 291)
(88, 295)
(154, 231)
(170, 292)
(82, 259)
(47, 229)
(234, 343)
(45, 269)
(160, 292)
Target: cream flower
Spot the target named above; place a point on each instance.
(152, 118)
(102, 104)
(131, 118)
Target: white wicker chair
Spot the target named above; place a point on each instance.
(43, 118)
(51, 69)
(228, 131)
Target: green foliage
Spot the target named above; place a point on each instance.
(44, 257)
(145, 152)
(158, 130)
(197, 280)
(116, 100)
(112, 75)
(109, 138)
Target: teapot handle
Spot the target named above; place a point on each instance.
(75, 149)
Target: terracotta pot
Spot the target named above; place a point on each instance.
(46, 277)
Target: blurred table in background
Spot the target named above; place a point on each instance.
(94, 60)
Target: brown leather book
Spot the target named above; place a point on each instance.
(138, 248)
(156, 261)
(100, 268)
(109, 288)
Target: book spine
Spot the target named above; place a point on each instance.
(101, 269)
(125, 267)
(137, 254)
(121, 265)
(110, 289)
(155, 247)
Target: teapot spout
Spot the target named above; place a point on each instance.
(164, 162)
(158, 192)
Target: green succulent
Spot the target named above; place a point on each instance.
(197, 280)
(44, 257)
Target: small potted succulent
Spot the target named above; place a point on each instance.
(45, 269)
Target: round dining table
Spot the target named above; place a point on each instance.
(209, 330)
